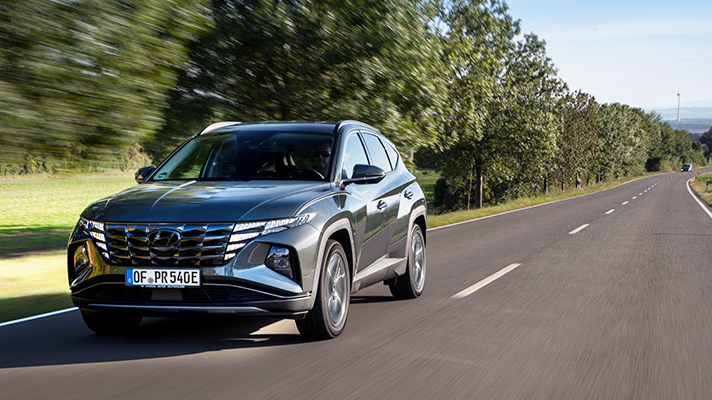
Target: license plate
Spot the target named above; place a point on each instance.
(162, 278)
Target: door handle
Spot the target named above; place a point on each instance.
(382, 205)
(408, 194)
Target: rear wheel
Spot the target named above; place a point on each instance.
(110, 323)
(411, 284)
(327, 318)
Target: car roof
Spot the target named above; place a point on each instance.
(292, 126)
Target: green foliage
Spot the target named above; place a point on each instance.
(706, 141)
(371, 60)
(85, 83)
(81, 80)
(500, 127)
(579, 148)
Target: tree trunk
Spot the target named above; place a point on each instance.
(469, 187)
(478, 182)
(546, 184)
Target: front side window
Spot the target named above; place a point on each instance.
(251, 155)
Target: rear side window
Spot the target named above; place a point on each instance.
(377, 152)
(354, 154)
(392, 153)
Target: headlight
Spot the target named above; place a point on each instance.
(98, 234)
(244, 232)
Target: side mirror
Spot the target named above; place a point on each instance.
(144, 173)
(365, 174)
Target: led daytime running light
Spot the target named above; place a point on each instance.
(265, 227)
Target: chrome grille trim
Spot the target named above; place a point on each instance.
(199, 244)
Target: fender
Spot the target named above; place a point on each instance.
(417, 211)
(337, 225)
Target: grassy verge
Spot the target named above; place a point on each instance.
(699, 185)
(39, 213)
(36, 219)
(33, 285)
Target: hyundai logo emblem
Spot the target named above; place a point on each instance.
(164, 238)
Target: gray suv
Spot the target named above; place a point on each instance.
(264, 219)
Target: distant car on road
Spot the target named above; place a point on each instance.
(268, 219)
(686, 168)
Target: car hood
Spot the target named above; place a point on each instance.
(203, 201)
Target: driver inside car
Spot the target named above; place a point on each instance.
(322, 153)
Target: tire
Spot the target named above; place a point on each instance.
(110, 323)
(327, 319)
(411, 284)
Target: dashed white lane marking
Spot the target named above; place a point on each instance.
(610, 211)
(49, 314)
(579, 229)
(640, 194)
(479, 285)
(635, 197)
(624, 203)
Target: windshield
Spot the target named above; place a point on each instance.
(248, 155)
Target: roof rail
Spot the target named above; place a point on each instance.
(218, 125)
(348, 122)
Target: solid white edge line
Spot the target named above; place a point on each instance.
(704, 207)
(479, 285)
(579, 229)
(610, 211)
(49, 314)
(534, 206)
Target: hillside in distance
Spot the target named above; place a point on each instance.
(694, 126)
(692, 119)
(685, 113)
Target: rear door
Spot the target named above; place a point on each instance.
(390, 187)
(368, 199)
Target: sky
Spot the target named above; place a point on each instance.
(639, 53)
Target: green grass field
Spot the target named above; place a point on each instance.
(36, 219)
(40, 212)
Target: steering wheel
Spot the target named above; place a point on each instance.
(305, 173)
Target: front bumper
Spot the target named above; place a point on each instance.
(208, 299)
(244, 285)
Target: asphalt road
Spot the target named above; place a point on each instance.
(617, 309)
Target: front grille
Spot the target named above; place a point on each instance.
(168, 244)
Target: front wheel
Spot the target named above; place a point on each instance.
(327, 318)
(411, 284)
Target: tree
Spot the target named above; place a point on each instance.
(370, 60)
(82, 80)
(706, 139)
(501, 95)
(578, 146)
